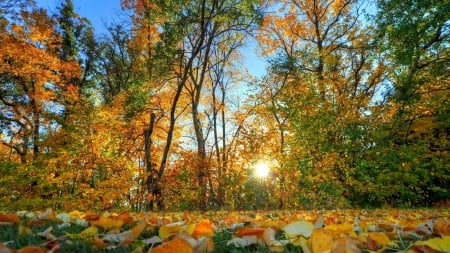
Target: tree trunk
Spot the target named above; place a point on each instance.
(152, 182)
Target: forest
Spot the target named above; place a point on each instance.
(160, 112)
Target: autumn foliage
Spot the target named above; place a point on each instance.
(159, 113)
(417, 231)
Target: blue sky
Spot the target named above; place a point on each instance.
(100, 12)
(97, 11)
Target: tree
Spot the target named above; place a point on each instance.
(219, 27)
(32, 77)
(182, 35)
(326, 77)
(414, 36)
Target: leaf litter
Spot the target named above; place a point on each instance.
(335, 231)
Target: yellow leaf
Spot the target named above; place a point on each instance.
(345, 228)
(380, 238)
(440, 244)
(189, 229)
(89, 232)
(168, 230)
(24, 230)
(321, 240)
(108, 223)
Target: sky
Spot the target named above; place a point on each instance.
(101, 12)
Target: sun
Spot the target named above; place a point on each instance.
(262, 169)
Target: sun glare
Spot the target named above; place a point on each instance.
(262, 169)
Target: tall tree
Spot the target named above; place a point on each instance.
(78, 43)
(220, 26)
(32, 79)
(182, 35)
(327, 79)
(414, 36)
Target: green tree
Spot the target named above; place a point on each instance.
(323, 78)
(414, 37)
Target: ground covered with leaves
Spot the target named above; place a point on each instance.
(393, 230)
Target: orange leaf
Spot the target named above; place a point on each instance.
(204, 228)
(177, 245)
(9, 217)
(345, 245)
(31, 249)
(442, 227)
(137, 230)
(99, 242)
(125, 217)
(250, 231)
(90, 217)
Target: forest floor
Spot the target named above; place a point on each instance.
(334, 231)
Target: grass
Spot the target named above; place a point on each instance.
(14, 238)
(9, 236)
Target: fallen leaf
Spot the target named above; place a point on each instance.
(425, 229)
(64, 217)
(200, 245)
(31, 249)
(153, 240)
(376, 240)
(171, 229)
(244, 241)
(108, 223)
(24, 230)
(46, 215)
(321, 240)
(176, 245)
(126, 236)
(4, 248)
(320, 222)
(345, 244)
(303, 228)
(89, 232)
(204, 228)
(137, 230)
(258, 232)
(47, 234)
(125, 217)
(270, 240)
(98, 242)
(338, 229)
(442, 227)
(439, 244)
(9, 218)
